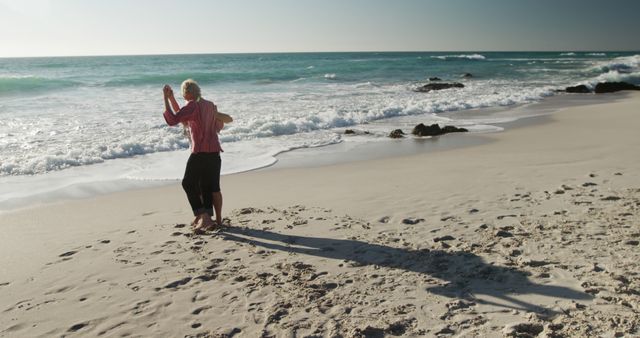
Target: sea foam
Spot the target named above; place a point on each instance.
(624, 63)
(460, 56)
(91, 118)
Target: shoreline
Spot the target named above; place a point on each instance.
(535, 113)
(343, 152)
(535, 230)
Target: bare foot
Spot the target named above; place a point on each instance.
(207, 223)
(196, 221)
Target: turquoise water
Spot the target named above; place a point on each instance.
(29, 76)
(61, 113)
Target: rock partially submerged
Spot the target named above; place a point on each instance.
(438, 86)
(610, 87)
(602, 87)
(467, 75)
(398, 133)
(356, 132)
(435, 78)
(435, 130)
(578, 89)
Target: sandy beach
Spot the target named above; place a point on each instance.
(531, 232)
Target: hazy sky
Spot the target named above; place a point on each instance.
(106, 27)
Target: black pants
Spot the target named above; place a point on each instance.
(201, 180)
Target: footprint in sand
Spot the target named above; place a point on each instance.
(101, 333)
(58, 290)
(411, 221)
(140, 307)
(178, 283)
(19, 305)
(200, 310)
(611, 198)
(77, 327)
(68, 254)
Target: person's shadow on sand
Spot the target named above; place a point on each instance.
(468, 275)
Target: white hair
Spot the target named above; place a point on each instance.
(190, 86)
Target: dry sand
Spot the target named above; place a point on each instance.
(533, 233)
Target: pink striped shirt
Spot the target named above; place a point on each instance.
(203, 127)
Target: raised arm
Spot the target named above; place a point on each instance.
(184, 114)
(168, 93)
(174, 103)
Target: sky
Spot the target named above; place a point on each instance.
(125, 27)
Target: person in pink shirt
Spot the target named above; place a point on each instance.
(201, 180)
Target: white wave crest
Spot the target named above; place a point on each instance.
(330, 76)
(568, 54)
(597, 54)
(615, 76)
(27, 162)
(621, 64)
(460, 56)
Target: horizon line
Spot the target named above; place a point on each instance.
(326, 52)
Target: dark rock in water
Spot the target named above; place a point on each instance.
(610, 87)
(435, 130)
(438, 86)
(467, 75)
(435, 78)
(356, 132)
(398, 133)
(452, 129)
(578, 89)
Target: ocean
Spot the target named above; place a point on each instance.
(78, 126)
